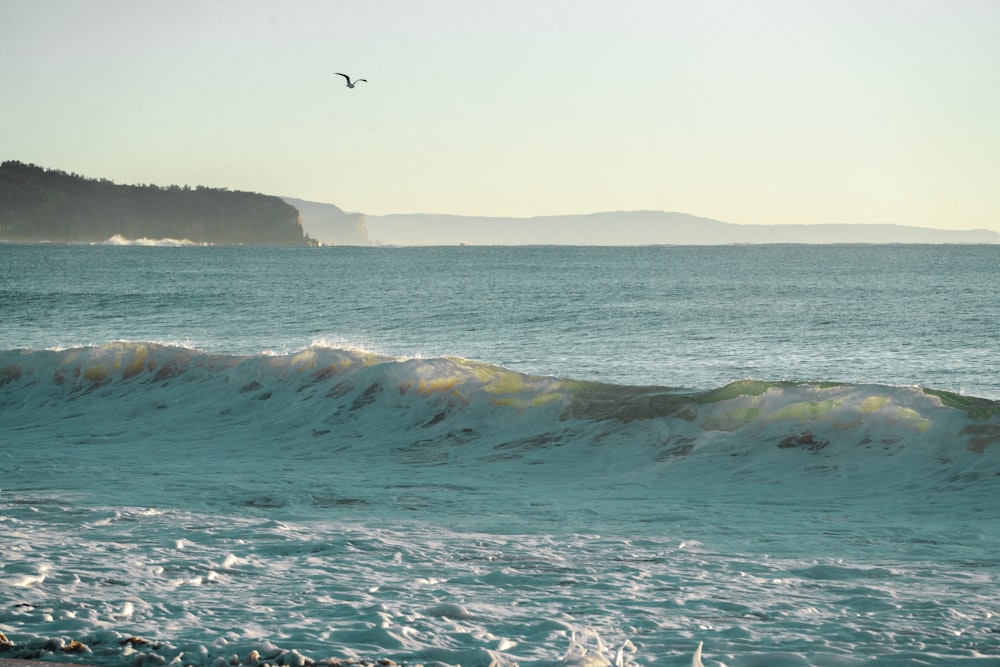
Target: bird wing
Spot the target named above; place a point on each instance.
(696, 660)
(345, 76)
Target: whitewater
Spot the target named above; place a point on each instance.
(787, 455)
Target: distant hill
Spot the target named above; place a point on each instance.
(39, 204)
(612, 228)
(641, 228)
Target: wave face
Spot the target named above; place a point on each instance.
(340, 506)
(349, 408)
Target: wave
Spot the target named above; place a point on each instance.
(121, 240)
(485, 448)
(365, 407)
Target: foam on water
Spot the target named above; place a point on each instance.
(119, 240)
(341, 504)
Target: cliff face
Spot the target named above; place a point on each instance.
(39, 204)
(329, 225)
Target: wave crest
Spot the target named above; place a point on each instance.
(459, 408)
(120, 240)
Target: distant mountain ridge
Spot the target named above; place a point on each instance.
(330, 225)
(39, 204)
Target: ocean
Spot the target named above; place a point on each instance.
(498, 456)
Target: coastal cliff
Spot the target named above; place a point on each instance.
(38, 204)
(329, 225)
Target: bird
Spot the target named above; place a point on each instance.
(350, 84)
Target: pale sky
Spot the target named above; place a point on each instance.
(752, 111)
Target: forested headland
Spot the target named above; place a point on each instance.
(38, 204)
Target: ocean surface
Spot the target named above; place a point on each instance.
(531, 456)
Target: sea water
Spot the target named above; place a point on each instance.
(476, 456)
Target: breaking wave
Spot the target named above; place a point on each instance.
(120, 240)
(447, 511)
(445, 409)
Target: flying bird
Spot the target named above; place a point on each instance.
(350, 84)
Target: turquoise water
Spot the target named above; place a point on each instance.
(500, 456)
(694, 317)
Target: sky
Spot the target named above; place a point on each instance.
(750, 112)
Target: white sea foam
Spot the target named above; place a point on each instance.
(120, 240)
